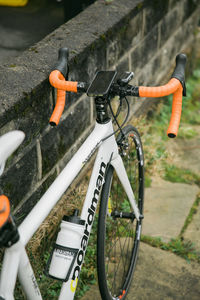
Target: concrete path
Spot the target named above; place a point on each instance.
(162, 275)
(167, 205)
(188, 156)
(159, 274)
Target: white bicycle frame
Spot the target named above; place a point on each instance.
(16, 261)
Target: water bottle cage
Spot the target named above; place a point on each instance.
(65, 251)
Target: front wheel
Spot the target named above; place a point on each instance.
(118, 230)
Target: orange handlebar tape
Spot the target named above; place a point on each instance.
(172, 87)
(4, 210)
(58, 81)
(160, 91)
(58, 110)
(176, 113)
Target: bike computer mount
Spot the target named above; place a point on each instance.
(103, 80)
(124, 78)
(101, 83)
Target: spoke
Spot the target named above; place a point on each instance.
(117, 266)
(126, 258)
(122, 251)
(114, 244)
(123, 256)
(114, 281)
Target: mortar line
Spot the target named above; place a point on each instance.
(39, 159)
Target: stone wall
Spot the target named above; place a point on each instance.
(136, 35)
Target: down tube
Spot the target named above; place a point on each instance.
(27, 278)
(107, 150)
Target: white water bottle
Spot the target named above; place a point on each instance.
(66, 247)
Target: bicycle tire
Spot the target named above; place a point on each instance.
(118, 238)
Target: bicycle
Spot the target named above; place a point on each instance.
(117, 180)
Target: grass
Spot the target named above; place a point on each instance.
(191, 214)
(147, 181)
(176, 174)
(187, 132)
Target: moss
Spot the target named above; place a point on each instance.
(46, 165)
(92, 47)
(61, 148)
(191, 214)
(140, 5)
(17, 108)
(34, 49)
(8, 188)
(123, 29)
(9, 160)
(108, 2)
(75, 60)
(103, 37)
(12, 66)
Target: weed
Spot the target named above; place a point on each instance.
(176, 174)
(153, 241)
(184, 249)
(189, 218)
(187, 132)
(147, 181)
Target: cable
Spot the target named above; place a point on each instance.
(115, 117)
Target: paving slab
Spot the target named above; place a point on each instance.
(192, 232)
(160, 275)
(166, 207)
(163, 275)
(186, 152)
